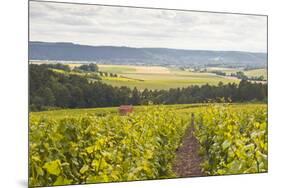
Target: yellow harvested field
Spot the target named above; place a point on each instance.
(152, 69)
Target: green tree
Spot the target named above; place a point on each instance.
(136, 98)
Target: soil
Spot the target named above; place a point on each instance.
(187, 162)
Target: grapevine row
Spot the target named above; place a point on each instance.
(232, 141)
(95, 149)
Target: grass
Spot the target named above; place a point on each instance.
(166, 83)
(185, 108)
(156, 77)
(249, 73)
(117, 69)
(226, 70)
(257, 72)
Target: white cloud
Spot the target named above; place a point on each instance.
(136, 27)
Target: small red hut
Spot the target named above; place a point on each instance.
(125, 109)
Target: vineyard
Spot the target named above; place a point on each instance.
(233, 142)
(106, 147)
(102, 149)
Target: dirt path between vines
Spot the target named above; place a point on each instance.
(187, 162)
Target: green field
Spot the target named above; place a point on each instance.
(256, 73)
(117, 69)
(249, 73)
(226, 70)
(156, 77)
(77, 113)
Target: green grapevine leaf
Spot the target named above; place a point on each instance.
(53, 167)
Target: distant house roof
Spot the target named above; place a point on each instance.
(125, 109)
(125, 106)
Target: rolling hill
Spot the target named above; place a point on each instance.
(144, 56)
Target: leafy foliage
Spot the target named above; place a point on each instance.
(88, 67)
(94, 149)
(233, 142)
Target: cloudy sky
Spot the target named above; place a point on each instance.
(136, 27)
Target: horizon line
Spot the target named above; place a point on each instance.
(187, 49)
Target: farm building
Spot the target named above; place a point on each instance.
(125, 109)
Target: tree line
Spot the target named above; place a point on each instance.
(87, 67)
(241, 75)
(49, 89)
